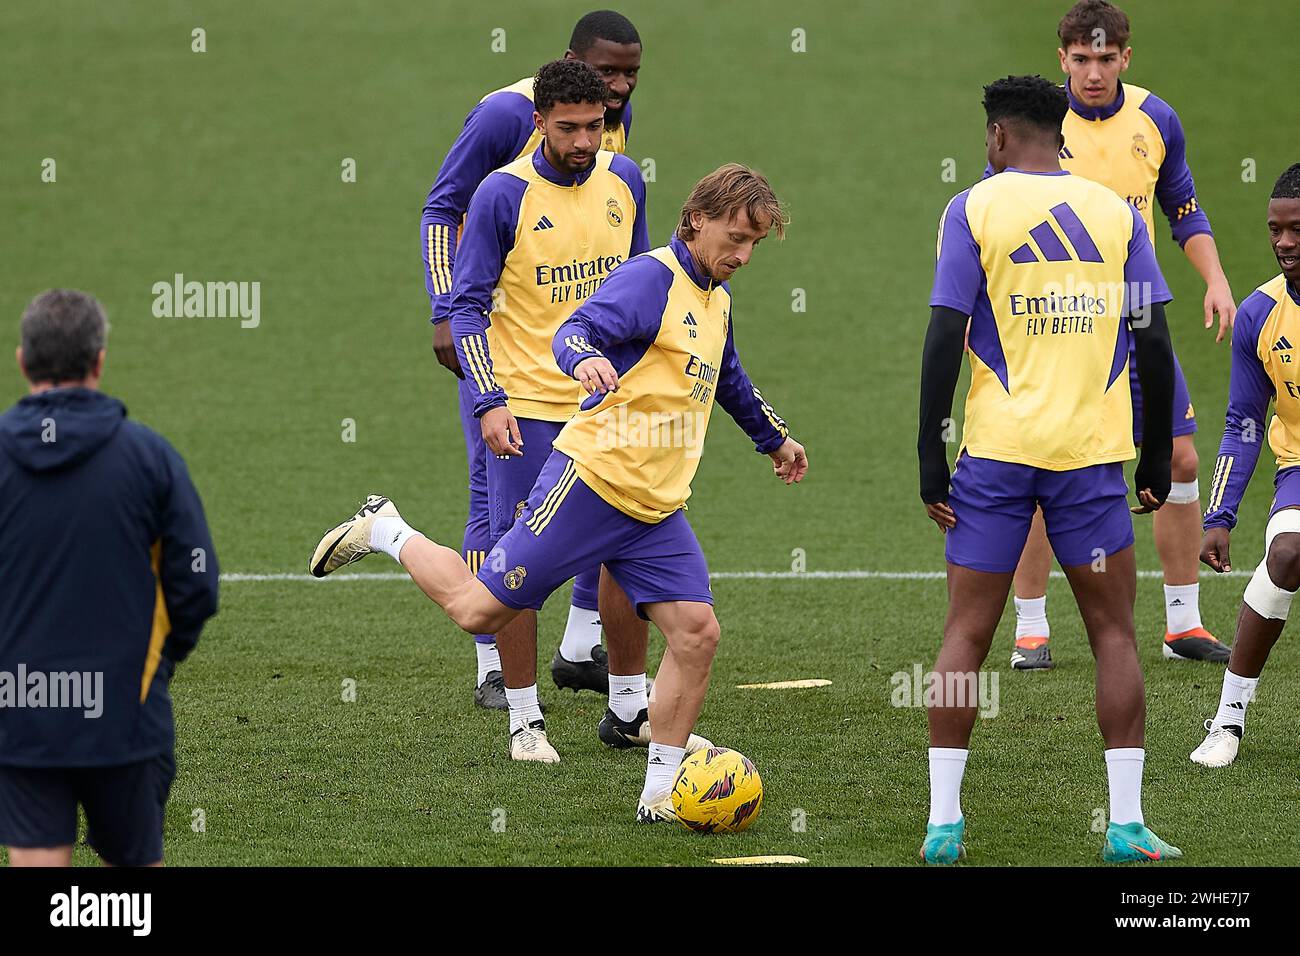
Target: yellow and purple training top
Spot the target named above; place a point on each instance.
(1049, 267)
(1135, 147)
(1265, 337)
(537, 243)
(498, 130)
(666, 328)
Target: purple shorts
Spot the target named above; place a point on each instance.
(509, 483)
(511, 480)
(1184, 416)
(1085, 510)
(1286, 490)
(565, 527)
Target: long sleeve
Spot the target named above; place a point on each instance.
(494, 133)
(490, 227)
(1244, 428)
(187, 562)
(621, 318)
(940, 369)
(1175, 188)
(740, 399)
(958, 280)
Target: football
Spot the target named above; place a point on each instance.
(717, 791)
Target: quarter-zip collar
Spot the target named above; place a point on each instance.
(552, 175)
(1096, 112)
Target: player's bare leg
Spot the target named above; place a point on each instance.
(1105, 592)
(1105, 597)
(40, 856)
(976, 600)
(692, 633)
(627, 634)
(626, 722)
(1260, 622)
(441, 573)
(518, 647)
(445, 579)
(443, 576)
(1177, 525)
(517, 644)
(1032, 651)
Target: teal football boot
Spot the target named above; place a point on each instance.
(1134, 843)
(943, 842)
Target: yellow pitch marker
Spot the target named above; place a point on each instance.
(788, 684)
(759, 860)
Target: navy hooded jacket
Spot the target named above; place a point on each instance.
(106, 568)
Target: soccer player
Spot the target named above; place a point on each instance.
(498, 130)
(1130, 140)
(541, 235)
(107, 576)
(654, 347)
(1047, 268)
(1264, 342)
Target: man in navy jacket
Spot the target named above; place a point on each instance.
(107, 575)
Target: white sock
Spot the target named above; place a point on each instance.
(1124, 774)
(947, 767)
(1031, 617)
(1236, 694)
(488, 660)
(627, 695)
(661, 766)
(581, 634)
(1182, 607)
(389, 534)
(524, 708)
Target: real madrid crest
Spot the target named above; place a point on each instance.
(519, 509)
(515, 578)
(613, 213)
(1139, 146)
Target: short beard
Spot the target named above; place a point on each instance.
(568, 168)
(614, 118)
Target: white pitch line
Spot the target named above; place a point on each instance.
(238, 577)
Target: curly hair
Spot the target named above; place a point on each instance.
(567, 81)
(1288, 184)
(1028, 99)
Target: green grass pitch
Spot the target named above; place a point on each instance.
(225, 165)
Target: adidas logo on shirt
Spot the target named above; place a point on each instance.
(1281, 345)
(689, 320)
(1065, 153)
(1050, 245)
(543, 223)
